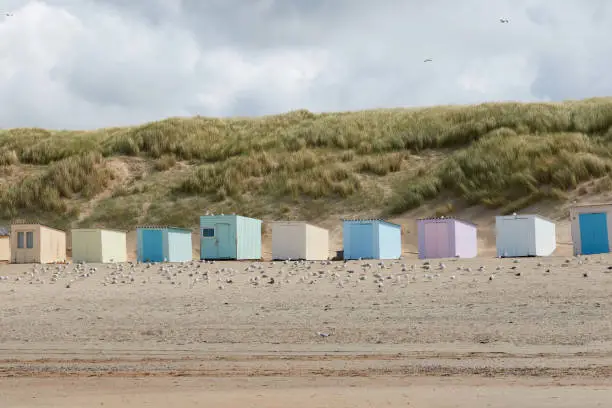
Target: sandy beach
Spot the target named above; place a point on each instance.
(480, 332)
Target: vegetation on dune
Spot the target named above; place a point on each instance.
(511, 171)
(296, 174)
(81, 176)
(300, 164)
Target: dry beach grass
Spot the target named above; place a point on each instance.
(505, 156)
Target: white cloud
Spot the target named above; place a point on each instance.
(506, 76)
(92, 63)
(283, 74)
(36, 40)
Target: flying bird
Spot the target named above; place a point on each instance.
(428, 60)
(504, 20)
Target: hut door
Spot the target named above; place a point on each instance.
(223, 241)
(594, 233)
(519, 239)
(437, 240)
(361, 241)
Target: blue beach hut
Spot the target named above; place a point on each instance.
(230, 237)
(163, 244)
(371, 239)
(591, 228)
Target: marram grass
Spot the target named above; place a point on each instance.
(301, 164)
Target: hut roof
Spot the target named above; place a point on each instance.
(369, 220)
(447, 218)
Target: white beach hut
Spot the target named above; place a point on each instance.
(524, 235)
(299, 240)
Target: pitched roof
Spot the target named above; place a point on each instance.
(366, 220)
(509, 216)
(592, 205)
(447, 219)
(163, 227)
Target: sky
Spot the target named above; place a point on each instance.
(85, 64)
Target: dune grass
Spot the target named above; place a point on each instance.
(79, 177)
(510, 171)
(301, 164)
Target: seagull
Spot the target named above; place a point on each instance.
(504, 20)
(428, 60)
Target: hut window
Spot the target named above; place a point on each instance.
(29, 239)
(208, 232)
(20, 240)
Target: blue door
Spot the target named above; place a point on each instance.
(594, 233)
(225, 241)
(152, 245)
(361, 241)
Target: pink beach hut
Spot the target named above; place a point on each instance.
(446, 238)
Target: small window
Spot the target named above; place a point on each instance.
(208, 232)
(29, 239)
(20, 243)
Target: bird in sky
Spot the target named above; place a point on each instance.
(504, 20)
(428, 60)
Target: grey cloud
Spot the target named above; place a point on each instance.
(541, 15)
(154, 12)
(93, 63)
(572, 63)
(129, 71)
(578, 75)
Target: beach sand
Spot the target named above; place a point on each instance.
(535, 332)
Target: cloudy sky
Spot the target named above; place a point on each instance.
(97, 63)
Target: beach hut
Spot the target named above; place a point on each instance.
(230, 237)
(524, 235)
(98, 245)
(299, 240)
(36, 243)
(5, 245)
(591, 228)
(446, 238)
(163, 244)
(371, 239)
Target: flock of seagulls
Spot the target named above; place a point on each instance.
(270, 274)
(502, 20)
(364, 275)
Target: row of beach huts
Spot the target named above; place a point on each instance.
(234, 237)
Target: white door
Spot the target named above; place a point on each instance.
(516, 237)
